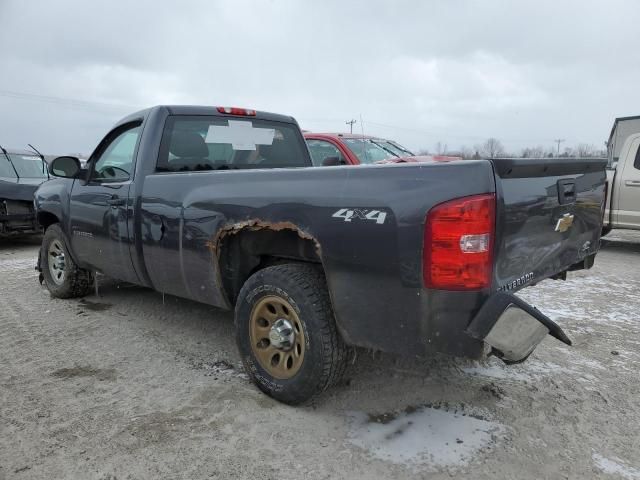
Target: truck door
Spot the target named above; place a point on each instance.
(628, 190)
(100, 208)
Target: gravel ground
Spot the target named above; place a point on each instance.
(129, 385)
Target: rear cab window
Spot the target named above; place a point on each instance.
(201, 143)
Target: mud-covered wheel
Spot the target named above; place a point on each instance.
(61, 275)
(286, 333)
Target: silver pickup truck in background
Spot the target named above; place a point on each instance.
(623, 187)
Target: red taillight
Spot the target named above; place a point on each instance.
(237, 111)
(458, 243)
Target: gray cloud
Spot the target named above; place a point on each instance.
(419, 72)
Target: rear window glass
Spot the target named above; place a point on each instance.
(196, 143)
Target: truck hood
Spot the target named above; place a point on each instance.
(20, 188)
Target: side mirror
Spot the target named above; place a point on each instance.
(332, 162)
(66, 167)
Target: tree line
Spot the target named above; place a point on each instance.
(493, 148)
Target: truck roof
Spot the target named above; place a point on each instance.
(342, 135)
(205, 110)
(621, 119)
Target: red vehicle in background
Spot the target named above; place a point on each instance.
(351, 149)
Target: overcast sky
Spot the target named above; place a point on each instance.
(415, 71)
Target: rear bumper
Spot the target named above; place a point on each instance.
(512, 327)
(17, 217)
(461, 324)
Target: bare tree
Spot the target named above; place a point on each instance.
(466, 152)
(585, 150)
(533, 152)
(441, 148)
(492, 148)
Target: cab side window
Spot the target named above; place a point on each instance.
(636, 163)
(321, 150)
(115, 160)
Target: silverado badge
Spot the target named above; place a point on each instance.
(564, 223)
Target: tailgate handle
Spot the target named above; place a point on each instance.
(566, 191)
(632, 183)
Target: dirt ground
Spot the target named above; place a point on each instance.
(129, 385)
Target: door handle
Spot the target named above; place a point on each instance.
(116, 201)
(632, 183)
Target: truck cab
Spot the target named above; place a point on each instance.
(623, 187)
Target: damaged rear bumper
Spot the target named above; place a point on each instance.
(512, 327)
(17, 217)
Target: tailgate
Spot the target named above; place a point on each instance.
(548, 218)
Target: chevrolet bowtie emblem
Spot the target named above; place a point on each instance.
(564, 223)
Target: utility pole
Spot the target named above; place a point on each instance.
(350, 123)
(559, 141)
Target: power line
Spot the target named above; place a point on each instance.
(559, 141)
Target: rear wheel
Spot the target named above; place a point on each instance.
(61, 275)
(286, 333)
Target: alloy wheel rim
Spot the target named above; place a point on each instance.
(56, 262)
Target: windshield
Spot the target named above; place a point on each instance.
(400, 147)
(368, 151)
(6, 170)
(393, 148)
(28, 166)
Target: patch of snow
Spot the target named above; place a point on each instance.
(615, 466)
(529, 370)
(496, 371)
(428, 437)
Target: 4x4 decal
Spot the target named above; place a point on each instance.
(349, 214)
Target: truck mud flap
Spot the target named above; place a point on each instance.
(512, 327)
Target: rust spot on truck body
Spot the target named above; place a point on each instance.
(256, 225)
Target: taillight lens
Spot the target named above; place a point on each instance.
(245, 112)
(458, 243)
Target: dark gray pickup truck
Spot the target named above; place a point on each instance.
(223, 206)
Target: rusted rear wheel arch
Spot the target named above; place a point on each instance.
(251, 247)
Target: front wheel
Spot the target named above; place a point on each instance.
(286, 333)
(61, 275)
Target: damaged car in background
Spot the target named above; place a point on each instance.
(329, 149)
(21, 173)
(221, 206)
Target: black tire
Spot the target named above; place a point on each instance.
(73, 281)
(303, 287)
